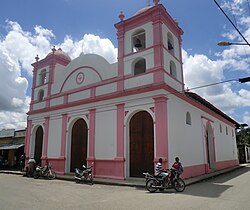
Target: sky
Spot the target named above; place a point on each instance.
(31, 27)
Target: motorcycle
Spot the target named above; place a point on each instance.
(84, 175)
(154, 183)
(45, 172)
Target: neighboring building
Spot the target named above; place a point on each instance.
(124, 116)
(11, 147)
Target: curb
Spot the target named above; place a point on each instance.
(139, 183)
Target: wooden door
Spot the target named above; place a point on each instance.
(79, 141)
(141, 144)
(38, 145)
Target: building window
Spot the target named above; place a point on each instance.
(220, 128)
(226, 131)
(170, 42)
(173, 69)
(232, 132)
(188, 118)
(140, 66)
(40, 95)
(43, 78)
(138, 41)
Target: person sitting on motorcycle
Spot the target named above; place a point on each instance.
(177, 168)
(159, 171)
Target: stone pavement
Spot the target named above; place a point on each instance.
(135, 182)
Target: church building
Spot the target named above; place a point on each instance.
(124, 116)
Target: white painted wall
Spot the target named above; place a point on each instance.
(139, 80)
(54, 138)
(128, 37)
(105, 136)
(79, 95)
(105, 89)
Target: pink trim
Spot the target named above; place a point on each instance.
(226, 164)
(27, 137)
(197, 170)
(92, 115)
(203, 117)
(109, 168)
(120, 37)
(50, 59)
(63, 133)
(158, 50)
(57, 163)
(207, 146)
(46, 137)
(153, 13)
(120, 133)
(161, 127)
(73, 71)
(137, 90)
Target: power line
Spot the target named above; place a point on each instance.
(232, 23)
(242, 80)
(216, 83)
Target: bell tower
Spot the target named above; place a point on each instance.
(149, 43)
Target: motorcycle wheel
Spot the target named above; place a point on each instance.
(179, 185)
(151, 185)
(91, 179)
(36, 175)
(51, 175)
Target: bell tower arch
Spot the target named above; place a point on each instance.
(154, 37)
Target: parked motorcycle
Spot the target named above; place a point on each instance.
(154, 183)
(45, 172)
(84, 175)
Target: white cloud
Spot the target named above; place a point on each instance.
(246, 118)
(199, 70)
(17, 52)
(90, 44)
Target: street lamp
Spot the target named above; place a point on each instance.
(222, 43)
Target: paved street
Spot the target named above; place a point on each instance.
(230, 191)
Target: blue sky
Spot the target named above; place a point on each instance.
(30, 27)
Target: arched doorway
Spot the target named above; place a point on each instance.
(141, 133)
(79, 144)
(38, 145)
(210, 147)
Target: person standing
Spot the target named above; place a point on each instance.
(22, 162)
(177, 167)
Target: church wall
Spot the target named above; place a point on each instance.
(56, 101)
(105, 135)
(130, 60)
(140, 80)
(165, 31)
(54, 138)
(128, 37)
(185, 141)
(172, 82)
(106, 89)
(59, 76)
(78, 95)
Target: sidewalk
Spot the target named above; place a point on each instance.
(135, 182)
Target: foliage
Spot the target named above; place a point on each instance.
(244, 137)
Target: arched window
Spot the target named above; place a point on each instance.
(43, 78)
(170, 42)
(173, 69)
(188, 118)
(40, 95)
(140, 66)
(139, 41)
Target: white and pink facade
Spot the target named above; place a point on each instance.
(124, 116)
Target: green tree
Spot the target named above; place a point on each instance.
(244, 137)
